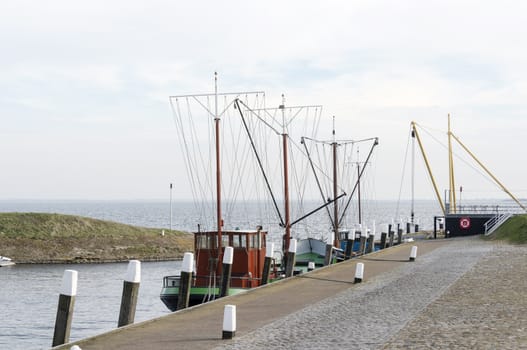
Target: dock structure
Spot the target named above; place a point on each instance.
(200, 327)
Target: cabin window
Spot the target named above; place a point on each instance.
(253, 241)
(236, 241)
(225, 240)
(201, 241)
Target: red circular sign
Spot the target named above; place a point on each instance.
(464, 223)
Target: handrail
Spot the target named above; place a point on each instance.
(494, 223)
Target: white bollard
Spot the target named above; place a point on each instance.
(226, 271)
(270, 250)
(292, 246)
(291, 254)
(187, 267)
(228, 255)
(131, 283)
(68, 291)
(413, 253)
(310, 266)
(188, 262)
(359, 272)
(229, 321)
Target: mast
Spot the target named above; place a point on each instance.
(412, 213)
(335, 194)
(218, 165)
(287, 215)
(452, 194)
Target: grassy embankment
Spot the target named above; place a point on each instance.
(513, 230)
(56, 238)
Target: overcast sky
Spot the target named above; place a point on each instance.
(84, 85)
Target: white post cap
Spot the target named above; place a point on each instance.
(188, 262)
(292, 246)
(270, 250)
(413, 252)
(359, 271)
(69, 283)
(228, 255)
(229, 318)
(133, 272)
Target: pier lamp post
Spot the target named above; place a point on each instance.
(171, 206)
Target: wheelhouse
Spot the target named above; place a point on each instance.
(249, 255)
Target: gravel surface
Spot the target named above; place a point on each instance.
(425, 304)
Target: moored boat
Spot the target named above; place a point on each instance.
(5, 261)
(249, 245)
(249, 250)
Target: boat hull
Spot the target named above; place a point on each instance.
(5, 261)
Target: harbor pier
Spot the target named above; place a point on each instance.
(325, 308)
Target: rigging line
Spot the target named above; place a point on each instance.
(207, 108)
(183, 145)
(325, 205)
(192, 158)
(322, 159)
(191, 166)
(402, 176)
(211, 179)
(488, 172)
(239, 161)
(300, 109)
(259, 117)
(316, 179)
(477, 170)
(259, 162)
(375, 143)
(290, 108)
(301, 182)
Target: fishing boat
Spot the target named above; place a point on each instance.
(249, 246)
(249, 252)
(5, 261)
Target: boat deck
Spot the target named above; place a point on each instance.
(200, 327)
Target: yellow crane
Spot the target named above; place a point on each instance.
(452, 195)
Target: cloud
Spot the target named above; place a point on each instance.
(93, 71)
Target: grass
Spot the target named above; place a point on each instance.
(43, 237)
(513, 230)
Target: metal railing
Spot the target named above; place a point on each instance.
(493, 224)
(489, 209)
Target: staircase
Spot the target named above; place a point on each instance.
(493, 224)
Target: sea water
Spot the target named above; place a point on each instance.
(29, 293)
